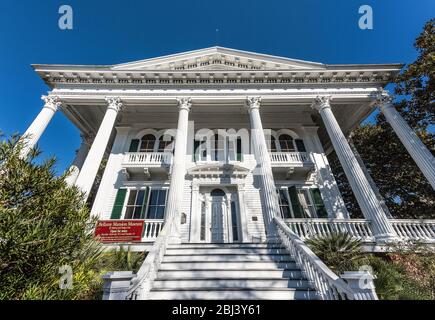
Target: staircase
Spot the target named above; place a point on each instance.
(230, 271)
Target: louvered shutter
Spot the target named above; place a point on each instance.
(318, 202)
(119, 204)
(296, 206)
(134, 144)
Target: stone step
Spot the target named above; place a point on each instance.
(226, 257)
(233, 294)
(223, 250)
(199, 283)
(224, 245)
(239, 266)
(233, 274)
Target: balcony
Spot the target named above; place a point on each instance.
(291, 163)
(147, 163)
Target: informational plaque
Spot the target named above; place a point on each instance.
(108, 231)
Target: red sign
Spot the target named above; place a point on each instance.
(119, 230)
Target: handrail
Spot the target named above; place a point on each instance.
(422, 230)
(328, 285)
(415, 229)
(309, 227)
(141, 284)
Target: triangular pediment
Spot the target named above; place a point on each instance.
(217, 59)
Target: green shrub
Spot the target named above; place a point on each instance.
(44, 225)
(339, 251)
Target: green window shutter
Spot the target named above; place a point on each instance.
(134, 144)
(239, 149)
(119, 204)
(145, 203)
(296, 206)
(195, 150)
(300, 145)
(318, 202)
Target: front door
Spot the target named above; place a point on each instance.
(217, 219)
(218, 213)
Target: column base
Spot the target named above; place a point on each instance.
(386, 238)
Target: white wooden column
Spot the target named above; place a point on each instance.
(324, 178)
(264, 169)
(92, 163)
(364, 194)
(37, 128)
(418, 151)
(76, 166)
(178, 170)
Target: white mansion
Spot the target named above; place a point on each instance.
(222, 154)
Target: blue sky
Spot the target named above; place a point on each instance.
(110, 32)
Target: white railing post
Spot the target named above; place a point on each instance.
(328, 285)
(116, 284)
(361, 282)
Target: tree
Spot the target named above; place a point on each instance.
(44, 225)
(407, 192)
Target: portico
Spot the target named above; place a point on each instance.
(189, 139)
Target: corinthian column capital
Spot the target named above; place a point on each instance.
(321, 102)
(253, 103)
(114, 103)
(52, 102)
(383, 99)
(184, 103)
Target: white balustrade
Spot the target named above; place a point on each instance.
(148, 158)
(414, 229)
(152, 228)
(289, 158)
(406, 229)
(307, 228)
(328, 285)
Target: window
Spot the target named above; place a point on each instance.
(286, 143)
(217, 193)
(234, 225)
(157, 204)
(147, 143)
(307, 205)
(301, 202)
(135, 204)
(284, 204)
(165, 143)
(218, 148)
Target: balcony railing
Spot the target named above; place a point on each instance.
(307, 228)
(412, 229)
(148, 158)
(406, 229)
(151, 229)
(285, 158)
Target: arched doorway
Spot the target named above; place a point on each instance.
(219, 218)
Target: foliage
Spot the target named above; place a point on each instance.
(406, 191)
(121, 259)
(393, 282)
(43, 225)
(338, 250)
(401, 274)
